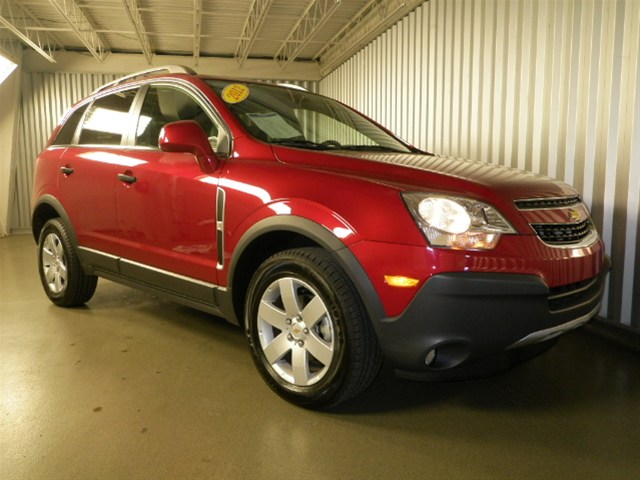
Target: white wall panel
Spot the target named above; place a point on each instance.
(549, 86)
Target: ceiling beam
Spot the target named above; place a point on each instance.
(253, 24)
(133, 11)
(197, 29)
(19, 20)
(125, 63)
(314, 17)
(372, 20)
(82, 27)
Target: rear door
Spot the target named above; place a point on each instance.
(88, 171)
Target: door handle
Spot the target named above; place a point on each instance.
(66, 170)
(123, 177)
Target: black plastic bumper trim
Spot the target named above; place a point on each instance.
(468, 317)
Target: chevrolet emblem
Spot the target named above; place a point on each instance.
(574, 216)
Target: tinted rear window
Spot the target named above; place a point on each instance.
(68, 130)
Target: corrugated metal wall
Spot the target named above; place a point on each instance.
(548, 86)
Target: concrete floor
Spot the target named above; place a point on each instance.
(135, 387)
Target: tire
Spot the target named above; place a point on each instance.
(63, 279)
(310, 337)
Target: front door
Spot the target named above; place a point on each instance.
(166, 205)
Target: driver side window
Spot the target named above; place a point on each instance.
(163, 105)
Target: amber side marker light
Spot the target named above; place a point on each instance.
(400, 281)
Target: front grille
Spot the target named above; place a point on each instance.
(575, 295)
(562, 233)
(542, 203)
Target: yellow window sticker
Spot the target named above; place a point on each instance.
(235, 93)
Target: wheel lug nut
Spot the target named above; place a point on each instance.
(289, 337)
(301, 343)
(288, 321)
(306, 331)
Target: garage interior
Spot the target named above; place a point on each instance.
(134, 386)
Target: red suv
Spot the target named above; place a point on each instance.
(330, 241)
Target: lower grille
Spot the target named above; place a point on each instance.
(562, 233)
(574, 295)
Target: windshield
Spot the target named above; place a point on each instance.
(293, 117)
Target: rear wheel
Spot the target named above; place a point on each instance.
(310, 337)
(61, 274)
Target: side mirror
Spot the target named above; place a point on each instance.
(186, 136)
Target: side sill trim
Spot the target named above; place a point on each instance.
(188, 290)
(124, 261)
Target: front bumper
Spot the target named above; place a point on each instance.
(458, 320)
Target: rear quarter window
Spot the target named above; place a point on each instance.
(67, 132)
(107, 119)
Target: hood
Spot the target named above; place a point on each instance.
(432, 172)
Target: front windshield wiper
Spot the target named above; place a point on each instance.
(371, 148)
(300, 143)
(332, 145)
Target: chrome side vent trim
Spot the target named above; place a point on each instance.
(220, 204)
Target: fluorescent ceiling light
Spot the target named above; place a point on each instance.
(6, 67)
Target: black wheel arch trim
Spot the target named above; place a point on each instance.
(324, 238)
(54, 203)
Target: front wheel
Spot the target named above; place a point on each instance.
(310, 337)
(61, 274)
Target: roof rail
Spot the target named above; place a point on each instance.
(292, 86)
(147, 73)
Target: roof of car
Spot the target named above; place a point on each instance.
(170, 69)
(177, 69)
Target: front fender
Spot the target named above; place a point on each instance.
(326, 235)
(305, 210)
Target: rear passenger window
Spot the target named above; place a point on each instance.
(68, 130)
(163, 105)
(107, 119)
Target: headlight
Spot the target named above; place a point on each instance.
(457, 222)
